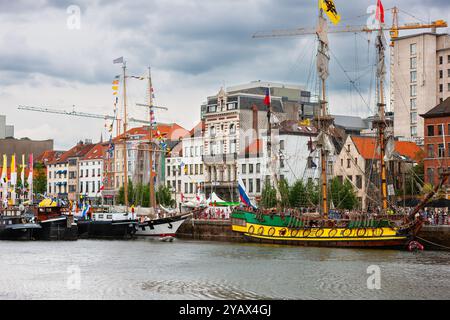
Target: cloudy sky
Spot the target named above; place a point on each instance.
(193, 47)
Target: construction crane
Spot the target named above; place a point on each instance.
(393, 29)
(77, 114)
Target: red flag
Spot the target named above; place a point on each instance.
(379, 15)
(267, 97)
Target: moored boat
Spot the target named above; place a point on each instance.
(17, 225)
(56, 221)
(161, 228)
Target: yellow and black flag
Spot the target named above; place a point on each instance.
(330, 9)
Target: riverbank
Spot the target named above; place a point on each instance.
(220, 230)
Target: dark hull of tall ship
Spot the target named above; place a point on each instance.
(60, 228)
(124, 229)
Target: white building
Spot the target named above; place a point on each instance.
(91, 172)
(185, 168)
(420, 79)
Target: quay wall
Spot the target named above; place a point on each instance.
(220, 230)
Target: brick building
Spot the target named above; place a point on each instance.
(437, 142)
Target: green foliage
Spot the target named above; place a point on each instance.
(39, 179)
(139, 195)
(283, 187)
(297, 195)
(343, 194)
(164, 196)
(312, 194)
(268, 196)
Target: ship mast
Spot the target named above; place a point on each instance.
(323, 120)
(381, 122)
(150, 103)
(274, 179)
(125, 160)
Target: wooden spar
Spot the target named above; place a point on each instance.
(150, 102)
(430, 195)
(125, 160)
(382, 120)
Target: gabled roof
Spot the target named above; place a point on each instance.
(97, 152)
(48, 156)
(441, 110)
(78, 151)
(367, 148)
(198, 129)
(170, 131)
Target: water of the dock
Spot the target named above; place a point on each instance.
(143, 269)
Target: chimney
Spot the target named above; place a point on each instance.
(255, 127)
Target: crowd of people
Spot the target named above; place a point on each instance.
(436, 216)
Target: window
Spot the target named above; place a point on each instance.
(413, 117)
(441, 74)
(281, 163)
(359, 182)
(448, 58)
(413, 104)
(430, 150)
(441, 150)
(448, 87)
(441, 60)
(348, 148)
(350, 178)
(413, 76)
(87, 187)
(232, 129)
(186, 187)
(413, 63)
(250, 185)
(413, 131)
(413, 90)
(440, 129)
(281, 144)
(348, 163)
(430, 131)
(430, 175)
(244, 168)
(233, 146)
(258, 185)
(212, 108)
(50, 175)
(250, 168)
(258, 169)
(212, 131)
(81, 187)
(412, 49)
(49, 188)
(441, 87)
(448, 73)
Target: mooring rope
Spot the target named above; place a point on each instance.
(433, 243)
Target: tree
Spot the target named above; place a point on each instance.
(39, 179)
(312, 194)
(283, 187)
(297, 195)
(343, 194)
(164, 196)
(268, 196)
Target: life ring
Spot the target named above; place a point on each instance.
(271, 231)
(361, 232)
(332, 233)
(261, 231)
(251, 229)
(306, 233)
(294, 233)
(319, 233)
(377, 232)
(347, 232)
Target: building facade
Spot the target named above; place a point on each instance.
(358, 162)
(420, 79)
(235, 119)
(437, 143)
(91, 173)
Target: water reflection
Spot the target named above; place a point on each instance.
(204, 270)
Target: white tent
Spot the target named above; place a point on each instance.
(214, 198)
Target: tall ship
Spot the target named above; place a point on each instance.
(125, 222)
(376, 227)
(17, 224)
